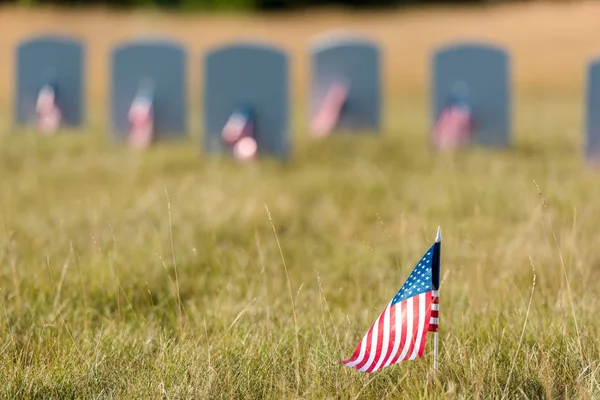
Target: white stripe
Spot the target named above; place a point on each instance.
(361, 355)
(435, 307)
(434, 321)
(420, 326)
(373, 345)
(399, 324)
(409, 321)
(386, 338)
(436, 293)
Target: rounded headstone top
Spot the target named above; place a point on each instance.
(151, 40)
(340, 37)
(50, 38)
(469, 45)
(595, 61)
(247, 44)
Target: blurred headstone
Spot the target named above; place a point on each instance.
(471, 96)
(246, 105)
(50, 83)
(148, 91)
(592, 121)
(345, 91)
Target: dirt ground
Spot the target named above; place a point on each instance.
(550, 44)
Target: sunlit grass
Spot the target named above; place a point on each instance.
(146, 274)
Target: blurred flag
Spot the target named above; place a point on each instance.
(48, 113)
(238, 133)
(328, 114)
(141, 118)
(400, 332)
(453, 127)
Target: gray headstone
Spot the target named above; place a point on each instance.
(56, 61)
(592, 121)
(481, 73)
(251, 76)
(354, 61)
(154, 66)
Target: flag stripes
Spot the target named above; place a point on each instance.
(238, 133)
(141, 118)
(435, 310)
(453, 127)
(47, 110)
(329, 111)
(399, 334)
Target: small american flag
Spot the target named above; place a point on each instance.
(400, 332)
(48, 113)
(238, 134)
(141, 118)
(453, 127)
(328, 114)
(238, 125)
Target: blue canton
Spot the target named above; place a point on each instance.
(419, 281)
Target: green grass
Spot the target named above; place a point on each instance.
(156, 274)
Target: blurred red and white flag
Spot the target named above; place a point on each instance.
(47, 111)
(238, 133)
(329, 112)
(141, 118)
(453, 127)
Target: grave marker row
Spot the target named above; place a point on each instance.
(246, 98)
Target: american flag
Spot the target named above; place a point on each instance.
(141, 118)
(238, 125)
(400, 331)
(453, 127)
(328, 114)
(238, 133)
(47, 110)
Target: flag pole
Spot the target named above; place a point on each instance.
(436, 287)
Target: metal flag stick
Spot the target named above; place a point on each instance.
(436, 287)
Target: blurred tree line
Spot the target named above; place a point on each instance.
(242, 5)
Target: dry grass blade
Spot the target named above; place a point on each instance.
(514, 361)
(289, 285)
(564, 271)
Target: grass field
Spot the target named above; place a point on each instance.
(163, 273)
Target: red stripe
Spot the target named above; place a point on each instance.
(427, 326)
(356, 353)
(415, 327)
(434, 314)
(379, 361)
(392, 336)
(379, 343)
(367, 337)
(367, 348)
(410, 336)
(404, 335)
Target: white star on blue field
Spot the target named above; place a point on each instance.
(419, 281)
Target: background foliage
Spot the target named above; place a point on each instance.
(244, 5)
